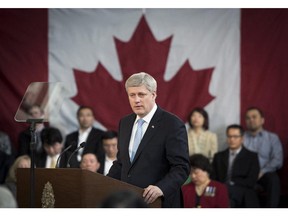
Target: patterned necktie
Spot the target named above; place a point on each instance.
(137, 138)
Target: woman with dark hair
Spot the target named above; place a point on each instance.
(203, 192)
(200, 139)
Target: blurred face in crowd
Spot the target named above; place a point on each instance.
(90, 162)
(234, 138)
(110, 147)
(254, 120)
(141, 100)
(197, 119)
(36, 112)
(85, 118)
(198, 176)
(54, 149)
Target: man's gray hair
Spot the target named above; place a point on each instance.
(142, 78)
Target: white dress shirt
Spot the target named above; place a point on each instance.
(83, 135)
(49, 160)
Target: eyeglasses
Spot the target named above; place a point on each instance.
(234, 136)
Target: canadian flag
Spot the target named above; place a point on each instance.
(225, 60)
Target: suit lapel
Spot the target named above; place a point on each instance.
(226, 160)
(128, 130)
(240, 154)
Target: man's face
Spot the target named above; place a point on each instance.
(141, 100)
(53, 150)
(254, 120)
(90, 162)
(234, 138)
(85, 118)
(110, 147)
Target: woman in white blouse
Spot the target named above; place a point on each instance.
(200, 139)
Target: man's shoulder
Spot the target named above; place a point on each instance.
(72, 134)
(249, 152)
(270, 134)
(96, 130)
(225, 151)
(168, 115)
(220, 155)
(129, 117)
(264, 133)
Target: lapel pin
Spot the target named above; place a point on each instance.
(152, 126)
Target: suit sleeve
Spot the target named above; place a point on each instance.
(177, 155)
(252, 176)
(214, 174)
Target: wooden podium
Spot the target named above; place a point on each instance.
(72, 188)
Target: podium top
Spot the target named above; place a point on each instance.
(44, 95)
(72, 188)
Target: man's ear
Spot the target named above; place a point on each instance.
(154, 95)
(263, 121)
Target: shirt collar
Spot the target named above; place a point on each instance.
(86, 131)
(260, 133)
(237, 151)
(149, 116)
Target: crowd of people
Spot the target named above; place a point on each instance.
(155, 150)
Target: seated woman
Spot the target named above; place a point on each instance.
(200, 139)
(203, 192)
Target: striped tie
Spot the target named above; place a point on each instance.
(137, 138)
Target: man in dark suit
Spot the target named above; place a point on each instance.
(238, 168)
(152, 145)
(86, 133)
(109, 144)
(52, 143)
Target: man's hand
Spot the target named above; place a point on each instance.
(151, 193)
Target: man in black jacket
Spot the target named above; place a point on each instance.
(238, 168)
(152, 145)
(86, 133)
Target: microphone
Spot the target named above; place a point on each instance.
(77, 149)
(58, 159)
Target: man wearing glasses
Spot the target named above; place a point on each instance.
(238, 168)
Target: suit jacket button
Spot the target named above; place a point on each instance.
(129, 175)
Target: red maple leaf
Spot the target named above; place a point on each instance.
(108, 97)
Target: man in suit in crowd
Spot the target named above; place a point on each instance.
(109, 143)
(152, 145)
(52, 143)
(270, 154)
(86, 133)
(238, 168)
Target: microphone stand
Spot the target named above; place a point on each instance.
(33, 123)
